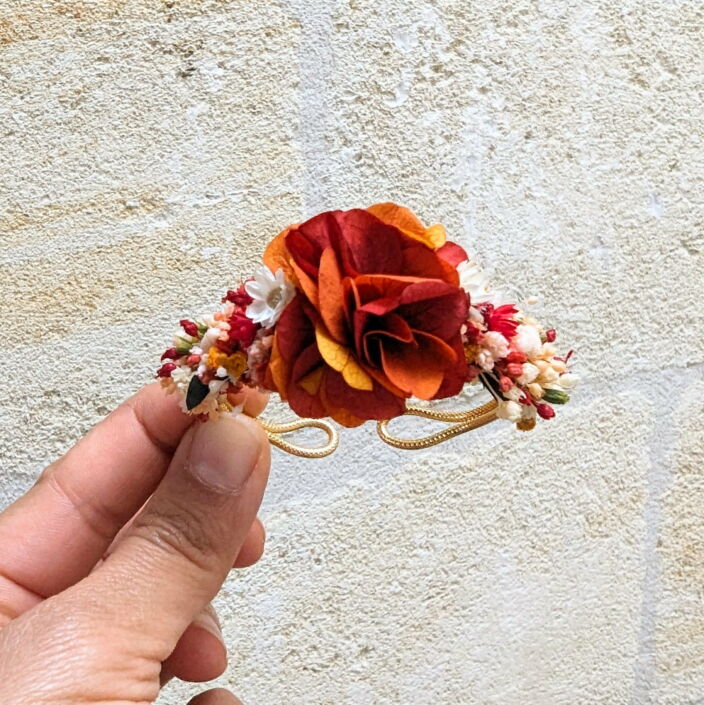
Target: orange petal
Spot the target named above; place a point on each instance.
(408, 223)
(341, 360)
(278, 371)
(418, 369)
(276, 255)
(331, 295)
(305, 283)
(344, 418)
(383, 380)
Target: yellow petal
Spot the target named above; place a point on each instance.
(436, 236)
(340, 359)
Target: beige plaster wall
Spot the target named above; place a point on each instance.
(148, 150)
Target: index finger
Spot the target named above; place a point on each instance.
(54, 535)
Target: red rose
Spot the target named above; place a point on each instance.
(376, 318)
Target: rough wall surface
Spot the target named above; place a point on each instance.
(148, 151)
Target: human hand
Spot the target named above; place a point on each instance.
(108, 564)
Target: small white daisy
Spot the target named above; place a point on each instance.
(271, 293)
(474, 281)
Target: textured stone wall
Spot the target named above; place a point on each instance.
(150, 148)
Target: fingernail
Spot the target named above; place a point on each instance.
(224, 452)
(207, 622)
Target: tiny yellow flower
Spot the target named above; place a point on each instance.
(235, 364)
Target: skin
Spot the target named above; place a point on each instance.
(109, 563)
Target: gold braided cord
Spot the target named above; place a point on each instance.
(274, 431)
(462, 421)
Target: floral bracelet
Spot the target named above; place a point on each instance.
(355, 313)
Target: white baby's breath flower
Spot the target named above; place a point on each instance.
(493, 347)
(527, 340)
(509, 410)
(496, 343)
(485, 360)
(209, 338)
(568, 380)
(271, 293)
(530, 372)
(513, 394)
(210, 406)
(548, 376)
(181, 377)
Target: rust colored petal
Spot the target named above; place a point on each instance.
(421, 262)
(305, 252)
(342, 416)
(294, 330)
(393, 326)
(418, 369)
(452, 253)
(455, 375)
(375, 246)
(302, 390)
(377, 404)
(441, 315)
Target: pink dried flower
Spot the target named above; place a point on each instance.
(505, 383)
(193, 360)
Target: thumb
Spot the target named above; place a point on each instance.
(177, 554)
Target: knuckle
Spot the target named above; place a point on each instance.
(179, 532)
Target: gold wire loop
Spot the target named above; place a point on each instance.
(462, 421)
(274, 431)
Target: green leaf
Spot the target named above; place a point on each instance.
(555, 396)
